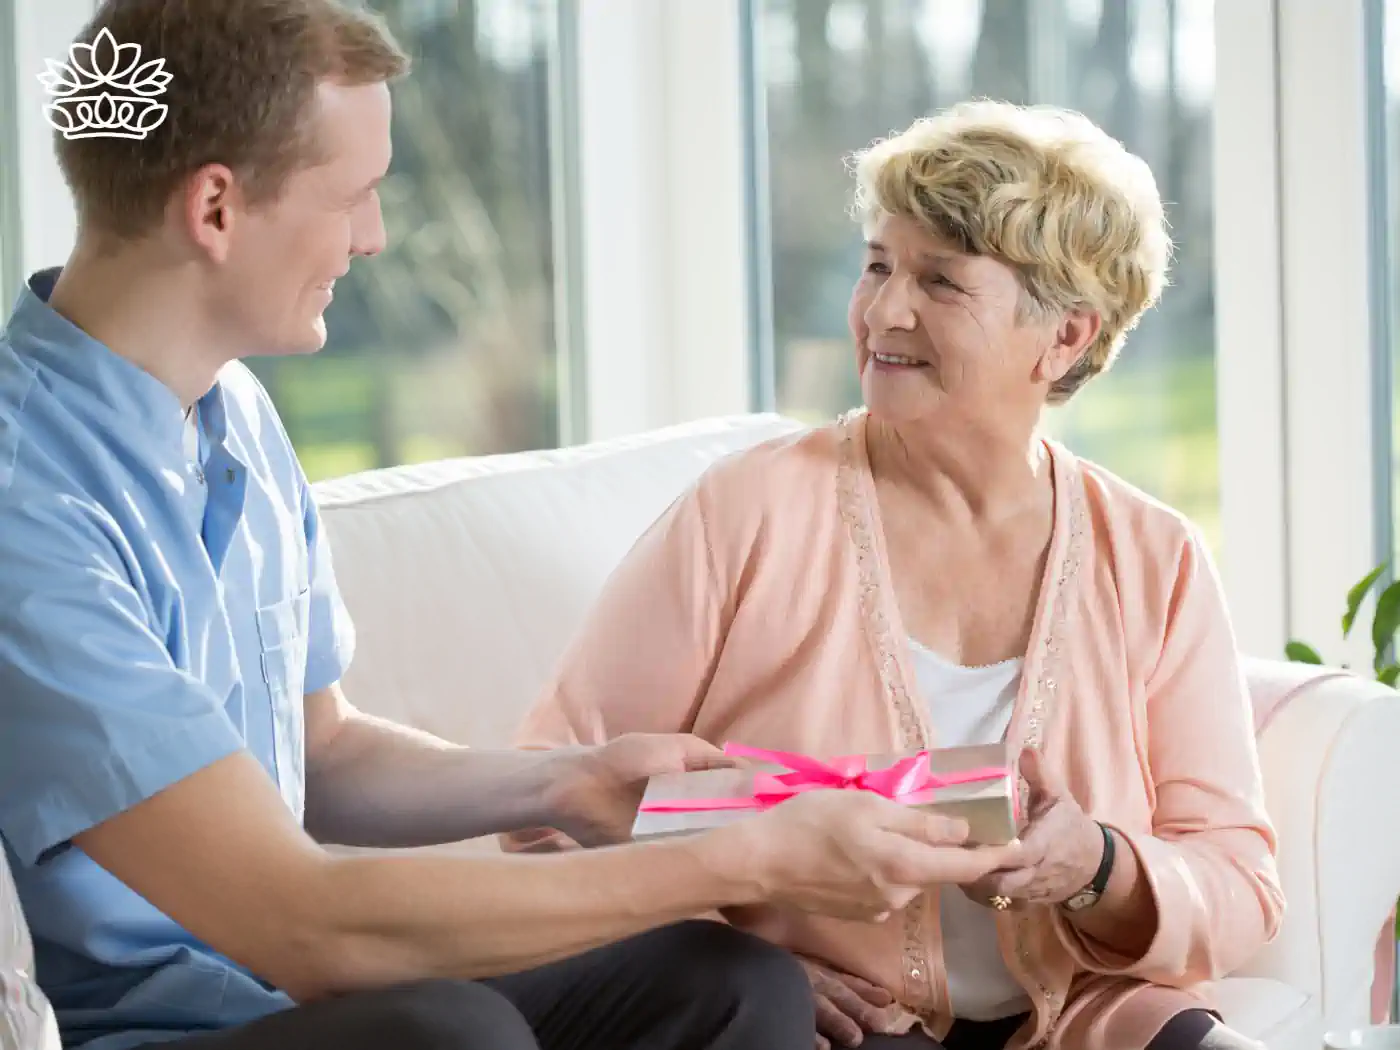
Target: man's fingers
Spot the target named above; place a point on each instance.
(833, 1023)
(653, 754)
(697, 754)
(923, 826)
(906, 862)
(823, 1043)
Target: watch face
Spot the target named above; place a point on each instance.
(1081, 900)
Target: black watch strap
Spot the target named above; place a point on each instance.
(1090, 894)
(1100, 881)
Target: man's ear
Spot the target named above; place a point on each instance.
(1076, 332)
(208, 204)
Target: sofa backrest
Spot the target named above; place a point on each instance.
(467, 578)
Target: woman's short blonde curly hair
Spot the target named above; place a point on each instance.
(1046, 191)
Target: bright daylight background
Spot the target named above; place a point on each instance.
(607, 215)
(446, 345)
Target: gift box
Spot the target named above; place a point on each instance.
(977, 784)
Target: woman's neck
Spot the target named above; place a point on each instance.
(961, 471)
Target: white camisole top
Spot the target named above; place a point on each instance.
(971, 706)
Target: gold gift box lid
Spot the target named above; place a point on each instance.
(989, 806)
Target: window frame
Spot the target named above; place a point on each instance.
(662, 252)
(11, 235)
(1287, 455)
(42, 220)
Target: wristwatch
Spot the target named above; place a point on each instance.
(1090, 894)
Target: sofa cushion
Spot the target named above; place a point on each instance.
(26, 1019)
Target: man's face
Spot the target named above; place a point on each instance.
(284, 256)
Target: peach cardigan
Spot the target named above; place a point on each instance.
(759, 610)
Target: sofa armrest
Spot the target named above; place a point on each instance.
(1331, 771)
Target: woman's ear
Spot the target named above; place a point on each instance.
(1075, 333)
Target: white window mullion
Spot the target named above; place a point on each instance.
(661, 154)
(1333, 412)
(1249, 358)
(11, 262)
(43, 29)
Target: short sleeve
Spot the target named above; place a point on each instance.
(94, 715)
(331, 634)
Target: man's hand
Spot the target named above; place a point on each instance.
(847, 1006)
(1061, 847)
(595, 791)
(851, 854)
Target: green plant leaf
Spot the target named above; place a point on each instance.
(1301, 653)
(1389, 674)
(1357, 595)
(1386, 621)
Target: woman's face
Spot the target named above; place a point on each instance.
(937, 330)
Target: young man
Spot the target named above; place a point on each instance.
(174, 747)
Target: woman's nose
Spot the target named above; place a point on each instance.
(892, 309)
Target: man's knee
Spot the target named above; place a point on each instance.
(733, 972)
(446, 1015)
(1200, 1030)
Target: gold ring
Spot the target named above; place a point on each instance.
(1001, 903)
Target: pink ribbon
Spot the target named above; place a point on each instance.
(910, 781)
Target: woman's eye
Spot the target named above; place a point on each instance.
(876, 267)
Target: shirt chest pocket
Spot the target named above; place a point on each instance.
(282, 629)
(282, 639)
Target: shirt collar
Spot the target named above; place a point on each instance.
(36, 330)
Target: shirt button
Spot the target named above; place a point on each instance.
(915, 973)
(229, 475)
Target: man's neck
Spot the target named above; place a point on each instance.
(146, 311)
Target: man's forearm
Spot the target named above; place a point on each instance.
(384, 920)
(375, 783)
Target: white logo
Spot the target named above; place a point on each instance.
(116, 102)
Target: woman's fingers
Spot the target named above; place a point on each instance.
(835, 1023)
(1011, 884)
(871, 993)
(852, 1004)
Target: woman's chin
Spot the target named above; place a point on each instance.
(896, 401)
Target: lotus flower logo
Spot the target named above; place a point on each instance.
(105, 91)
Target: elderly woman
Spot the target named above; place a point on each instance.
(931, 571)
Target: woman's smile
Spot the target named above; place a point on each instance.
(897, 361)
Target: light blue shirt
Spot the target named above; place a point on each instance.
(140, 641)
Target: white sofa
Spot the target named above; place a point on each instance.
(467, 578)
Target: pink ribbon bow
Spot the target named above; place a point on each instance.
(910, 781)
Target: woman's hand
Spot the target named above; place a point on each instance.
(847, 1006)
(1061, 848)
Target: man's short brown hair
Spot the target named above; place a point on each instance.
(243, 74)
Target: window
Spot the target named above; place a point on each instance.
(445, 345)
(11, 277)
(837, 74)
(1390, 246)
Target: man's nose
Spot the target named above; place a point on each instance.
(369, 237)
